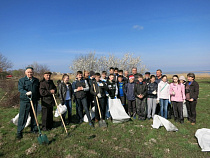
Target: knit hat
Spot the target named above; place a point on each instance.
(131, 77)
(182, 78)
(29, 67)
(147, 73)
(92, 73)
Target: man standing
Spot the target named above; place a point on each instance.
(28, 87)
(135, 74)
(47, 89)
(158, 76)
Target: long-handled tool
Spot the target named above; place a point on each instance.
(42, 139)
(102, 123)
(60, 113)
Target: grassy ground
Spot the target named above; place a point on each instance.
(130, 139)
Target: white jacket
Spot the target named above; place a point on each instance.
(163, 90)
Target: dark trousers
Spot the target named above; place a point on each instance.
(141, 107)
(131, 107)
(178, 110)
(25, 109)
(191, 110)
(82, 103)
(47, 117)
(90, 99)
(102, 108)
(123, 101)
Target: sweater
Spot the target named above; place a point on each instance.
(163, 90)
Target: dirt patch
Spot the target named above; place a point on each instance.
(31, 149)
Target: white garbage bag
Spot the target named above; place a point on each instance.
(185, 110)
(160, 121)
(117, 111)
(92, 115)
(203, 136)
(62, 110)
(15, 120)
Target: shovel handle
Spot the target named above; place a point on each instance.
(97, 101)
(32, 105)
(59, 113)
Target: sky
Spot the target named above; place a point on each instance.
(166, 34)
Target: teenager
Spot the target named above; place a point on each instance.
(80, 88)
(28, 86)
(192, 92)
(140, 91)
(152, 97)
(129, 92)
(65, 94)
(177, 92)
(121, 94)
(104, 76)
(100, 93)
(163, 96)
(47, 89)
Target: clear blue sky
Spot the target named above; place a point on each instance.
(171, 35)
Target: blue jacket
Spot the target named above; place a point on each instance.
(129, 91)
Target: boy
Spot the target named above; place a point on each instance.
(147, 78)
(100, 93)
(192, 91)
(140, 90)
(47, 89)
(80, 88)
(121, 94)
(103, 76)
(129, 92)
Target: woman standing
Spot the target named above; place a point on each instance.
(163, 96)
(177, 92)
(65, 94)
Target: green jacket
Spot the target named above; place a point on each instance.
(25, 85)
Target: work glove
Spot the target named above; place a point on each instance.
(99, 95)
(154, 92)
(184, 101)
(28, 93)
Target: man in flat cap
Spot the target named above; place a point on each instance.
(28, 87)
(47, 89)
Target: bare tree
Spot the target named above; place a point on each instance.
(5, 64)
(39, 69)
(103, 63)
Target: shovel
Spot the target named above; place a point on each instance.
(42, 139)
(102, 123)
(60, 114)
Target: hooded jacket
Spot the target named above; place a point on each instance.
(179, 90)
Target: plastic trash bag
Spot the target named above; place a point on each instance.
(92, 115)
(160, 121)
(203, 136)
(117, 111)
(185, 110)
(15, 120)
(62, 110)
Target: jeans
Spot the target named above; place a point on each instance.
(164, 107)
(107, 108)
(68, 104)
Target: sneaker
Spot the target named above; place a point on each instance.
(181, 121)
(149, 118)
(192, 123)
(19, 136)
(91, 124)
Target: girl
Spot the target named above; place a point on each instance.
(65, 94)
(163, 96)
(177, 92)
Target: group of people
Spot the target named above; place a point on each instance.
(141, 96)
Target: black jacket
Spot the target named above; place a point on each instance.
(194, 90)
(82, 83)
(140, 88)
(150, 88)
(46, 97)
(100, 88)
(62, 91)
(112, 89)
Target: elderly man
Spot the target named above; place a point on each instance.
(158, 76)
(135, 74)
(47, 89)
(28, 87)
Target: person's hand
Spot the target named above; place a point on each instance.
(173, 93)
(52, 91)
(184, 101)
(191, 99)
(28, 93)
(154, 92)
(99, 95)
(141, 96)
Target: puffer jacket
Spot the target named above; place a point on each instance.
(129, 91)
(62, 91)
(140, 88)
(151, 88)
